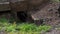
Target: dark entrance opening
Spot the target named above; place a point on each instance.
(22, 16)
(3, 12)
(59, 11)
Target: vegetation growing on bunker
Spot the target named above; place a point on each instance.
(29, 16)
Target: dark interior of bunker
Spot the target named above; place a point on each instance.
(22, 16)
(59, 11)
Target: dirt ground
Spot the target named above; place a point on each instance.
(55, 30)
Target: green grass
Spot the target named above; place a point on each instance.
(22, 28)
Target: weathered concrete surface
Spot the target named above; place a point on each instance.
(49, 13)
(4, 6)
(25, 4)
(19, 5)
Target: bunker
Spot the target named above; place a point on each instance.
(38, 11)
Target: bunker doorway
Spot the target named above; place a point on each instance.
(59, 11)
(22, 16)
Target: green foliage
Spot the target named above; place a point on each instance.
(27, 27)
(10, 28)
(23, 28)
(3, 20)
(44, 28)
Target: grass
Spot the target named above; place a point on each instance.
(22, 28)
